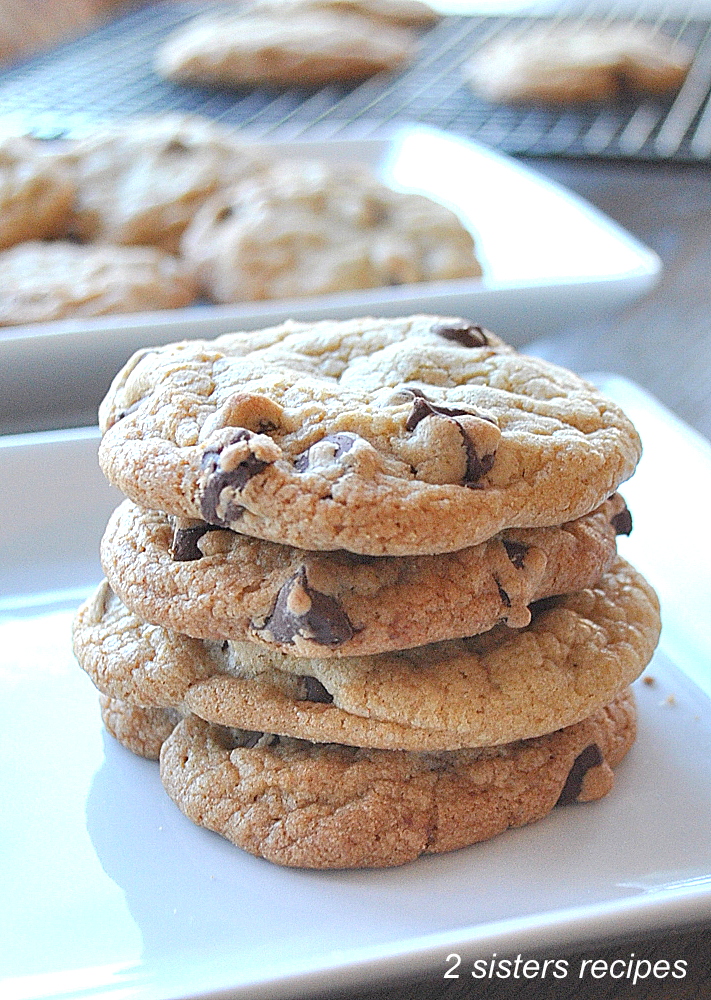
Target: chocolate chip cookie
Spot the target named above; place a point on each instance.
(36, 192)
(409, 436)
(140, 181)
(40, 281)
(327, 806)
(213, 583)
(568, 63)
(309, 228)
(305, 49)
(578, 652)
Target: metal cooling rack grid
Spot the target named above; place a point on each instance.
(108, 74)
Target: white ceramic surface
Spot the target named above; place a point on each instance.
(108, 891)
(550, 259)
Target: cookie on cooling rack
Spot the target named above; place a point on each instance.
(306, 49)
(572, 63)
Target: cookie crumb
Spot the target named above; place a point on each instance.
(649, 680)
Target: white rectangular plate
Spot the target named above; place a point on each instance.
(550, 260)
(110, 892)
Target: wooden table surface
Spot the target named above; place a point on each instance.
(664, 344)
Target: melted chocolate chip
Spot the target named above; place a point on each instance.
(218, 479)
(622, 522)
(323, 620)
(477, 466)
(505, 599)
(422, 408)
(343, 441)
(590, 757)
(129, 409)
(516, 551)
(184, 547)
(315, 691)
(176, 146)
(466, 334)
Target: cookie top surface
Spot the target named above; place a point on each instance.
(140, 181)
(301, 804)
(36, 191)
(307, 48)
(572, 62)
(380, 436)
(40, 282)
(308, 228)
(577, 653)
(216, 584)
(410, 13)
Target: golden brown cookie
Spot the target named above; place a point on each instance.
(304, 49)
(213, 583)
(140, 181)
(55, 280)
(327, 806)
(568, 63)
(36, 191)
(578, 652)
(309, 228)
(142, 730)
(406, 436)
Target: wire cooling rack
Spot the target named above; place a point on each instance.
(108, 74)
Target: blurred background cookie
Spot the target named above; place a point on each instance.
(36, 191)
(307, 228)
(140, 181)
(577, 62)
(305, 49)
(48, 281)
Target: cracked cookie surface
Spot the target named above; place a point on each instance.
(41, 281)
(328, 806)
(578, 652)
(402, 436)
(212, 583)
(310, 228)
(141, 181)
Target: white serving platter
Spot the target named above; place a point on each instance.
(550, 260)
(109, 892)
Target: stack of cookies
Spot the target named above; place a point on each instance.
(363, 598)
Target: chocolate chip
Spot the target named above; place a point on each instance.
(217, 479)
(184, 547)
(590, 757)
(224, 214)
(422, 408)
(301, 611)
(343, 442)
(129, 409)
(622, 522)
(477, 466)
(466, 334)
(315, 691)
(233, 739)
(505, 599)
(516, 551)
